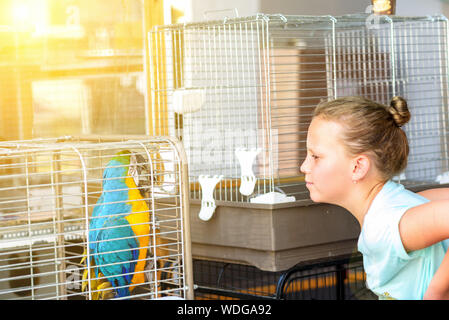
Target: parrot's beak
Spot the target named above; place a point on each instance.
(144, 174)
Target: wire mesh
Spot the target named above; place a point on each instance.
(331, 280)
(49, 189)
(406, 57)
(252, 83)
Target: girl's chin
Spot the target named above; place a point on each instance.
(315, 197)
(318, 200)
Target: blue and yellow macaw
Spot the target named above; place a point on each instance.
(119, 231)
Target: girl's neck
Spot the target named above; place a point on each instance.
(361, 197)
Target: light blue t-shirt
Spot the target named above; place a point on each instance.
(391, 272)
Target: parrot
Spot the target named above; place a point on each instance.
(119, 230)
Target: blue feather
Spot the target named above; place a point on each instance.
(116, 253)
(104, 207)
(108, 212)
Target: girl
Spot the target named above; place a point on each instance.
(354, 148)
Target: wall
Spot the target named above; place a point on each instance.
(418, 7)
(244, 7)
(316, 7)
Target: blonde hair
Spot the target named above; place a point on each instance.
(372, 128)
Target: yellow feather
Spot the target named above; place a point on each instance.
(139, 220)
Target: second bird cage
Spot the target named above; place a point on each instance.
(95, 218)
(240, 94)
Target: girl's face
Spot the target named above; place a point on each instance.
(327, 167)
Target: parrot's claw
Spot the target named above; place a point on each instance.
(105, 291)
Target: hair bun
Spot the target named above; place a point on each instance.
(399, 110)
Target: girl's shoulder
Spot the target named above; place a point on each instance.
(435, 194)
(381, 222)
(394, 195)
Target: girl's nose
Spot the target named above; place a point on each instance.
(304, 166)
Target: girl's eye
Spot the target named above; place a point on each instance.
(315, 157)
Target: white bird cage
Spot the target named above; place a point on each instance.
(48, 190)
(240, 93)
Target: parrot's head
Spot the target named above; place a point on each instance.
(129, 164)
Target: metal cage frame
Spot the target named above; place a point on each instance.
(73, 166)
(340, 278)
(251, 84)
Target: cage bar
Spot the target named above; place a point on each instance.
(253, 82)
(240, 94)
(48, 191)
(337, 279)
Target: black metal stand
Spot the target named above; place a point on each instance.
(319, 280)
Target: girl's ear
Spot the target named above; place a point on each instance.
(360, 167)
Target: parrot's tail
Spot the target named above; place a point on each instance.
(122, 292)
(121, 286)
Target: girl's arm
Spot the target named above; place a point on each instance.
(423, 226)
(437, 289)
(435, 194)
